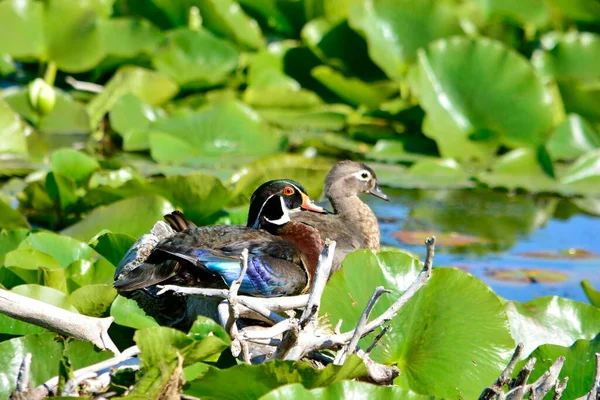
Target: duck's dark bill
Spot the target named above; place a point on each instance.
(376, 191)
(310, 205)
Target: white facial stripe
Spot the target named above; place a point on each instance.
(359, 175)
(285, 218)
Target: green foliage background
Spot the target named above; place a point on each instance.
(194, 103)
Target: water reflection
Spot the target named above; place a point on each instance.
(493, 234)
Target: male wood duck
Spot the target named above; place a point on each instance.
(282, 253)
(353, 225)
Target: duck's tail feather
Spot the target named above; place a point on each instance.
(179, 222)
(145, 275)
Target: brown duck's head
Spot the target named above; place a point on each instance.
(350, 178)
(273, 201)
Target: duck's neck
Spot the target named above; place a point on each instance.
(308, 241)
(359, 217)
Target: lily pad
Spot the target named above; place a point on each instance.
(10, 240)
(228, 128)
(127, 38)
(435, 331)
(583, 176)
(394, 151)
(112, 246)
(262, 378)
(450, 79)
(25, 263)
(149, 86)
(552, 320)
(343, 390)
(93, 300)
(579, 366)
(566, 254)
(592, 294)
(126, 312)
(65, 249)
(395, 29)
(527, 275)
(529, 12)
(195, 59)
(573, 138)
(12, 131)
(520, 169)
(453, 239)
(325, 118)
(353, 90)
(429, 173)
(142, 212)
(310, 172)
(74, 164)
(11, 218)
(84, 272)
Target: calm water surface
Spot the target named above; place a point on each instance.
(505, 230)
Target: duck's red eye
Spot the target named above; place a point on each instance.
(288, 191)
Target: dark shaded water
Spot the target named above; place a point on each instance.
(522, 246)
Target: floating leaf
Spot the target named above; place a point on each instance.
(552, 320)
(12, 131)
(583, 177)
(74, 164)
(353, 90)
(11, 218)
(127, 38)
(64, 249)
(579, 366)
(527, 275)
(326, 118)
(450, 79)
(131, 117)
(573, 138)
(142, 213)
(519, 168)
(25, 263)
(93, 300)
(528, 12)
(10, 240)
(394, 151)
(342, 390)
(427, 173)
(592, 294)
(126, 312)
(262, 378)
(83, 272)
(45, 294)
(567, 254)
(149, 86)
(195, 59)
(112, 246)
(395, 30)
(453, 239)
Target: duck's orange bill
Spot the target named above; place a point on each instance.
(310, 205)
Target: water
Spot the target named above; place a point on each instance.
(503, 228)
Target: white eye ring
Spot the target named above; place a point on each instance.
(363, 175)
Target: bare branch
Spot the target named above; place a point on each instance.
(234, 313)
(498, 386)
(360, 326)
(319, 281)
(560, 387)
(518, 387)
(84, 86)
(82, 327)
(377, 339)
(271, 332)
(23, 378)
(541, 387)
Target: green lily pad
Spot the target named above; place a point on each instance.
(520, 169)
(529, 12)
(127, 38)
(583, 176)
(343, 390)
(149, 86)
(353, 90)
(199, 195)
(573, 138)
(93, 300)
(25, 263)
(449, 79)
(126, 312)
(592, 294)
(65, 249)
(226, 18)
(10, 240)
(45, 294)
(552, 320)
(394, 151)
(67, 117)
(435, 331)
(24, 23)
(310, 172)
(131, 117)
(141, 214)
(195, 59)
(12, 131)
(564, 57)
(325, 118)
(112, 246)
(579, 366)
(527, 275)
(11, 218)
(84, 272)
(228, 128)
(74, 164)
(429, 173)
(395, 30)
(262, 378)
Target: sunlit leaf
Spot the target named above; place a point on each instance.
(426, 173)
(552, 320)
(592, 294)
(573, 138)
(127, 313)
(11, 218)
(343, 390)
(583, 177)
(466, 85)
(12, 130)
(74, 164)
(528, 12)
(112, 246)
(93, 300)
(63, 248)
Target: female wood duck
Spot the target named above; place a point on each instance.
(353, 225)
(282, 253)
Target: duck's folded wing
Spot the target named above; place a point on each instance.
(266, 275)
